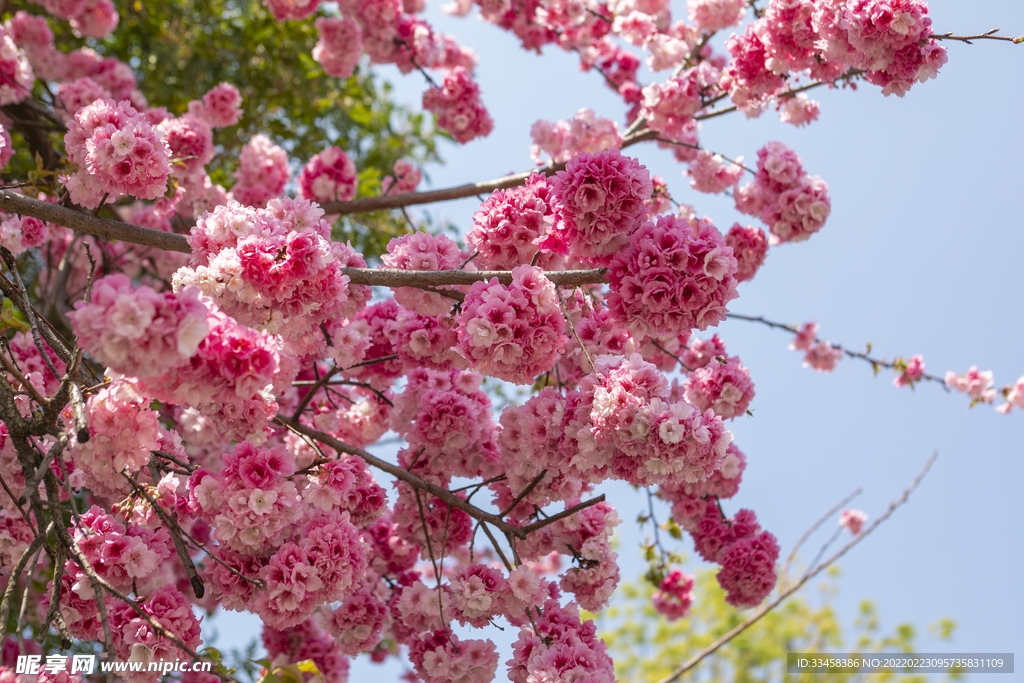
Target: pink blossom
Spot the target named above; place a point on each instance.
(262, 172)
(458, 107)
(674, 595)
(673, 276)
(340, 46)
(561, 648)
(1014, 395)
(329, 176)
(976, 384)
(724, 388)
(18, 77)
(510, 223)
(822, 357)
(602, 197)
(750, 247)
(406, 179)
(284, 10)
(220, 106)
(853, 521)
(96, 19)
(117, 152)
(711, 174)
(562, 140)
(715, 15)
(422, 251)
(748, 570)
(515, 332)
(910, 371)
(799, 110)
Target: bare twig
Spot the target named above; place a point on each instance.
(710, 649)
(784, 574)
(987, 35)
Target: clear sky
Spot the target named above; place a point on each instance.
(921, 254)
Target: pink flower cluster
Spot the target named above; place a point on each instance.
(140, 332)
(304, 558)
(442, 657)
(712, 174)
(890, 39)
(602, 200)
(458, 107)
(512, 332)
(793, 204)
(275, 269)
(723, 388)
(262, 172)
(853, 521)
(307, 641)
(910, 371)
(346, 484)
(687, 499)
(715, 15)
(819, 355)
(562, 648)
(669, 107)
(357, 623)
(422, 251)
(117, 152)
(284, 10)
(340, 46)
(673, 276)
(121, 555)
(974, 383)
(17, 76)
(190, 140)
(1014, 395)
(446, 420)
(509, 224)
(562, 140)
(329, 176)
(18, 234)
(746, 554)
(628, 429)
(750, 247)
(427, 341)
(798, 110)
(674, 595)
(134, 638)
(406, 178)
(79, 93)
(220, 107)
(122, 432)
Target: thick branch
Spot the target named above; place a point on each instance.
(92, 225)
(368, 204)
(392, 277)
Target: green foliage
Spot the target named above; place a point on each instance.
(646, 647)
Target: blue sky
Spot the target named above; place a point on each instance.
(921, 254)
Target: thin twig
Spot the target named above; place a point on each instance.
(710, 649)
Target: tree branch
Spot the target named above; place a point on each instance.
(710, 649)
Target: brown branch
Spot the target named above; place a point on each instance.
(92, 225)
(784, 574)
(561, 515)
(399, 473)
(852, 73)
(393, 277)
(176, 531)
(987, 35)
(710, 649)
(875, 362)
